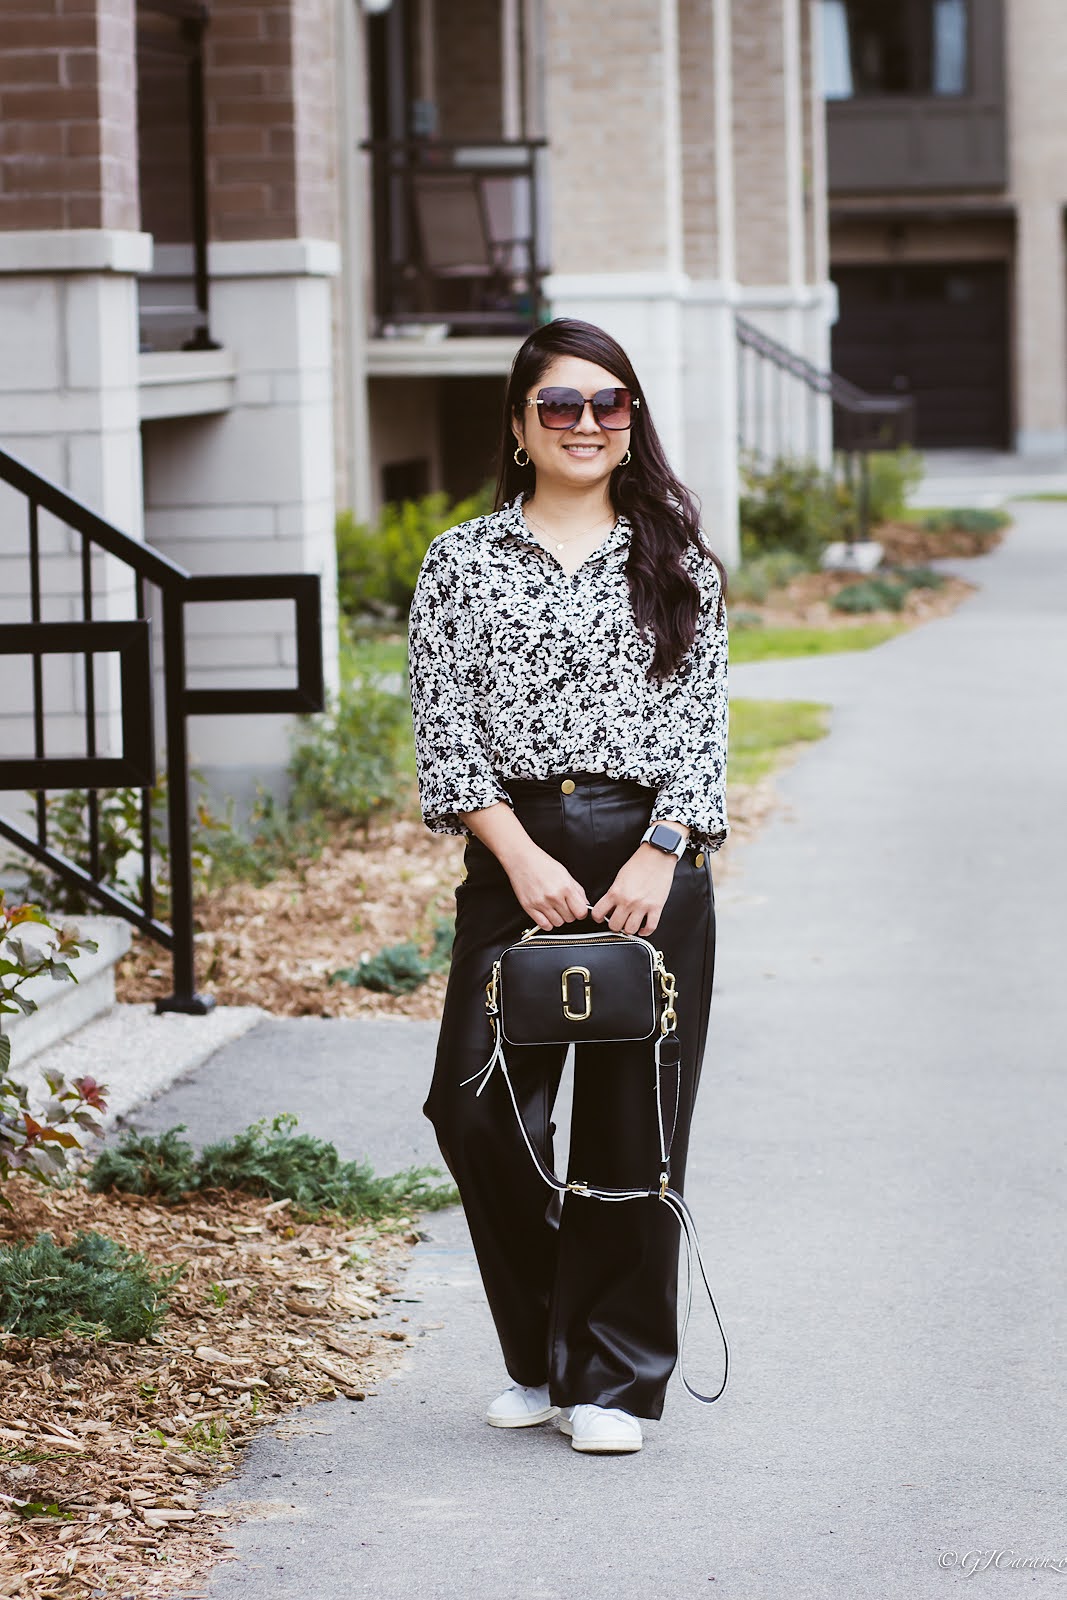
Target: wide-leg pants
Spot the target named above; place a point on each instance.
(583, 1292)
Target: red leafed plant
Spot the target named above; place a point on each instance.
(39, 1142)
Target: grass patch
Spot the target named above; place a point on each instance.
(775, 644)
(1050, 494)
(375, 657)
(93, 1287)
(267, 1160)
(761, 730)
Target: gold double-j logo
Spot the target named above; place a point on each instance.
(587, 994)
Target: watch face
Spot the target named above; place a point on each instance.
(666, 838)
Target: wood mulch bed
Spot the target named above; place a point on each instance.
(908, 546)
(123, 1439)
(805, 602)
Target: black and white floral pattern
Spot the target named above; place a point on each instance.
(521, 670)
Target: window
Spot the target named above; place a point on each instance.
(889, 47)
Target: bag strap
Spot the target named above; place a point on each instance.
(669, 1196)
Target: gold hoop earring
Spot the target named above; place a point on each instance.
(625, 462)
(520, 449)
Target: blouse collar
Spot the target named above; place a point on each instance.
(509, 519)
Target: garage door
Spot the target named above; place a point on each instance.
(938, 331)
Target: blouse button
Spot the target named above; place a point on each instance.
(567, 786)
(698, 859)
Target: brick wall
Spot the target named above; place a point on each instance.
(68, 147)
(759, 142)
(605, 122)
(812, 163)
(315, 97)
(270, 109)
(699, 199)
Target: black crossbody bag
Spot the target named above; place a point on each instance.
(598, 988)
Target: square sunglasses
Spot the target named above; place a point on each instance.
(562, 408)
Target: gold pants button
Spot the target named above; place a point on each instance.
(567, 786)
(698, 859)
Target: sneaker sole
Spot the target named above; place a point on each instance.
(529, 1421)
(602, 1447)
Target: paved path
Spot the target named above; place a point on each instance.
(877, 1167)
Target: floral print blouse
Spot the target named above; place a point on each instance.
(520, 669)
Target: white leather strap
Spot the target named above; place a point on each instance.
(663, 1192)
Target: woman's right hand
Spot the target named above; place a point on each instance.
(545, 889)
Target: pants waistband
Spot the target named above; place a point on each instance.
(576, 780)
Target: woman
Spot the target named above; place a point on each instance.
(569, 696)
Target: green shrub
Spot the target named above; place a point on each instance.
(270, 842)
(40, 1143)
(348, 764)
(272, 1161)
(963, 519)
(400, 968)
(873, 594)
(162, 1165)
(893, 477)
(119, 832)
(755, 578)
(353, 759)
(93, 1287)
(119, 826)
(886, 589)
(377, 566)
(920, 577)
(791, 506)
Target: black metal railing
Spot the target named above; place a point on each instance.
(136, 766)
(781, 411)
(172, 173)
(456, 234)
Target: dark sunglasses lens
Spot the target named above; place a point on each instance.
(559, 408)
(611, 407)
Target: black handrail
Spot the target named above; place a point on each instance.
(861, 422)
(136, 767)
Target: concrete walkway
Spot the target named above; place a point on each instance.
(877, 1169)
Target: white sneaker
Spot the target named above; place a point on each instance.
(601, 1430)
(521, 1407)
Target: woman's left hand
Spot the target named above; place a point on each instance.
(639, 892)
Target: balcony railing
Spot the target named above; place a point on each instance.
(456, 237)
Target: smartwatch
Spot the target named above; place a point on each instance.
(670, 840)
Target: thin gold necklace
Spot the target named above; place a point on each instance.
(559, 543)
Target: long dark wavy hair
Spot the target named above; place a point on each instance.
(663, 514)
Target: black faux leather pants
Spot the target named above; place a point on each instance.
(583, 1293)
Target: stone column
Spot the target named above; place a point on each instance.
(1037, 92)
(70, 252)
(779, 175)
(620, 247)
(70, 249)
(252, 489)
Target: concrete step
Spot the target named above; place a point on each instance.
(66, 1006)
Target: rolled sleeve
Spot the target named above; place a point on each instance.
(694, 791)
(451, 758)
